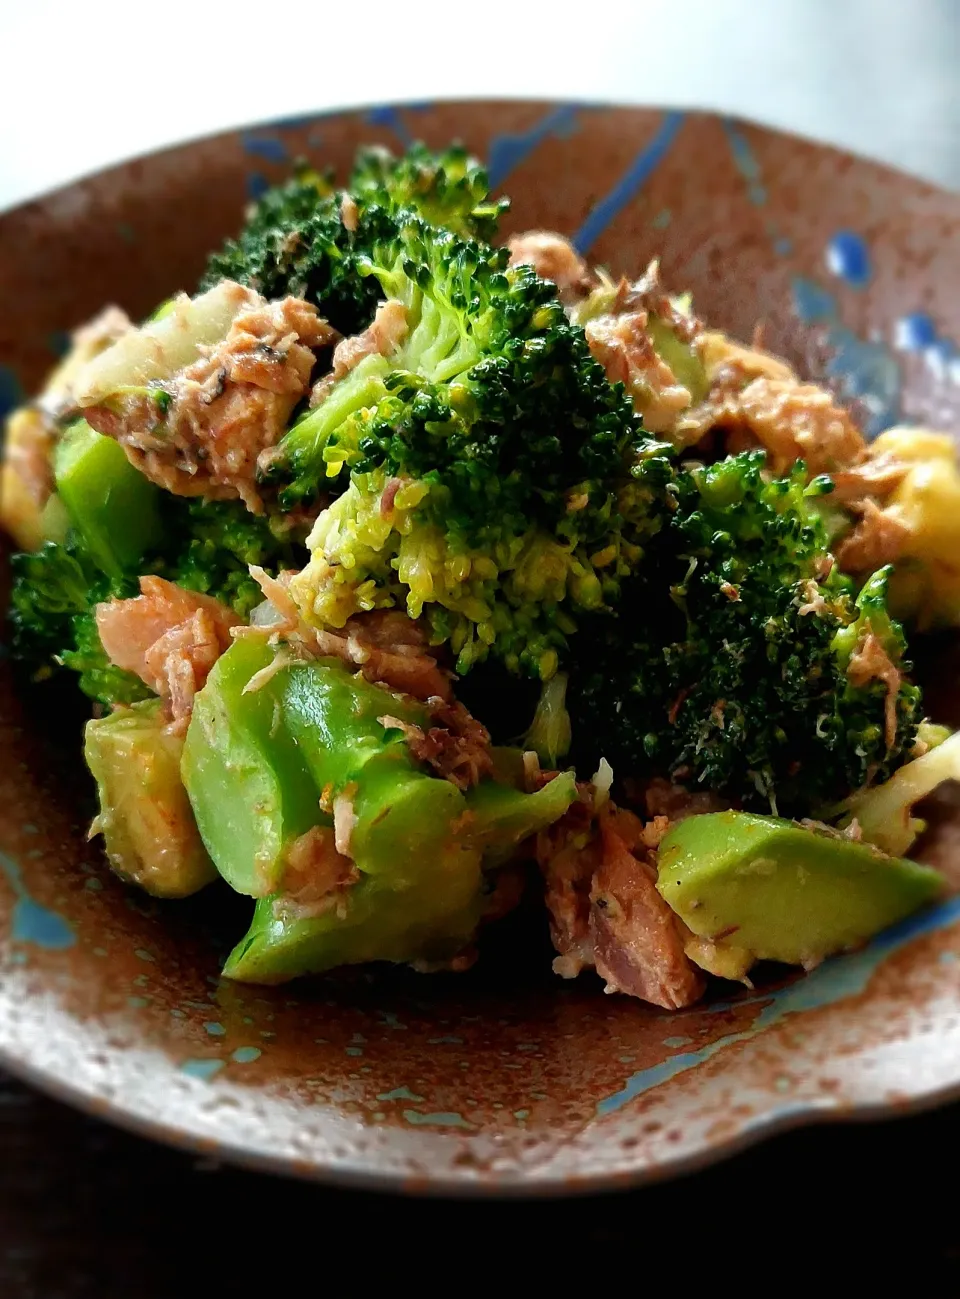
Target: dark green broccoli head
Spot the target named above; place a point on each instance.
(296, 240)
(448, 188)
(210, 545)
(479, 461)
(728, 664)
(52, 622)
(213, 544)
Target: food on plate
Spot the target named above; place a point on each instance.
(412, 570)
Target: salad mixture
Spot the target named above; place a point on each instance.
(410, 572)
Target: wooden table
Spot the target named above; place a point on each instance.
(88, 1211)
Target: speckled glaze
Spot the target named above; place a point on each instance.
(505, 1079)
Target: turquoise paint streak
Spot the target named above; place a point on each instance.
(604, 213)
(202, 1069)
(31, 922)
(834, 981)
(441, 1120)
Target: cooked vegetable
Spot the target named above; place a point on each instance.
(448, 189)
(54, 593)
(549, 735)
(300, 240)
(756, 888)
(884, 812)
(381, 490)
(925, 587)
(25, 478)
(146, 356)
(247, 781)
(114, 509)
(481, 460)
(147, 824)
(741, 659)
(409, 847)
(212, 545)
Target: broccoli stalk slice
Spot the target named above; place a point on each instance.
(549, 735)
(884, 813)
(326, 439)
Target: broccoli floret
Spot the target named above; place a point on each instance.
(50, 587)
(448, 189)
(51, 615)
(211, 545)
(728, 664)
(222, 540)
(99, 678)
(479, 463)
(296, 242)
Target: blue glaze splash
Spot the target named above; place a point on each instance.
(862, 369)
(295, 123)
(11, 394)
(30, 922)
(202, 1069)
(400, 1094)
(443, 1120)
(629, 185)
(836, 980)
(270, 147)
(507, 152)
(388, 116)
(246, 1054)
(257, 185)
(848, 258)
(917, 333)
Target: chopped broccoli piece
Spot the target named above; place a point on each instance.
(296, 241)
(480, 463)
(50, 588)
(209, 547)
(51, 614)
(99, 678)
(448, 189)
(728, 664)
(549, 734)
(221, 539)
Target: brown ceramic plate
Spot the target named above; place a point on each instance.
(504, 1079)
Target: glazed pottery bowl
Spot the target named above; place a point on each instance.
(503, 1079)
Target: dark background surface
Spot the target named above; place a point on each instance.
(89, 1212)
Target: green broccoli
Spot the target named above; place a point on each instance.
(448, 189)
(296, 240)
(54, 593)
(479, 463)
(215, 544)
(209, 549)
(729, 662)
